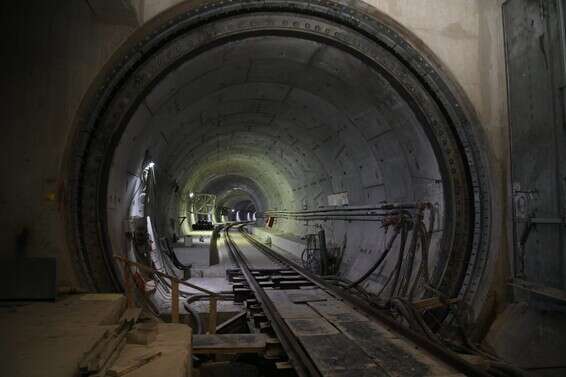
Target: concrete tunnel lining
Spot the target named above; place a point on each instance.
(129, 110)
(230, 188)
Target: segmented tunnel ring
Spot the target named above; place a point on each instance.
(191, 28)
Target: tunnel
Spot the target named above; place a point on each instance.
(279, 106)
(311, 188)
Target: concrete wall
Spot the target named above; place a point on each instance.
(466, 35)
(52, 63)
(52, 51)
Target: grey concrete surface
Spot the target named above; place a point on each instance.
(174, 341)
(467, 37)
(48, 339)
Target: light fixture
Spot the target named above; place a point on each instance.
(233, 210)
(191, 194)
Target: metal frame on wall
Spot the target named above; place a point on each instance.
(535, 51)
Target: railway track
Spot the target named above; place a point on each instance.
(324, 330)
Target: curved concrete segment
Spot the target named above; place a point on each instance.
(281, 105)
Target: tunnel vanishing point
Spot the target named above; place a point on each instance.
(285, 187)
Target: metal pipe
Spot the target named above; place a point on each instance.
(389, 206)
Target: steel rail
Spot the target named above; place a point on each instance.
(441, 352)
(300, 360)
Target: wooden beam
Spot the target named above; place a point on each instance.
(120, 371)
(175, 301)
(229, 343)
(229, 324)
(128, 287)
(172, 278)
(212, 315)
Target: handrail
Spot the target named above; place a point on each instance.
(175, 281)
(152, 270)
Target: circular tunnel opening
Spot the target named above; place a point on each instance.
(277, 105)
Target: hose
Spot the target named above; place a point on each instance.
(422, 273)
(397, 269)
(170, 253)
(408, 270)
(379, 261)
(196, 316)
(194, 313)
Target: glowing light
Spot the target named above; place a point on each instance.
(150, 165)
(191, 195)
(233, 210)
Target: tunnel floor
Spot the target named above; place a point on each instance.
(338, 338)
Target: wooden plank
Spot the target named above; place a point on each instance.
(365, 372)
(114, 356)
(278, 278)
(337, 311)
(212, 315)
(131, 314)
(238, 319)
(385, 350)
(106, 349)
(86, 364)
(277, 295)
(128, 286)
(287, 309)
(229, 343)
(290, 311)
(175, 301)
(295, 284)
(151, 270)
(141, 361)
(302, 296)
(311, 326)
(112, 347)
(143, 333)
(287, 272)
(337, 353)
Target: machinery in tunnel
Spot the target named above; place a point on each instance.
(202, 207)
(254, 161)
